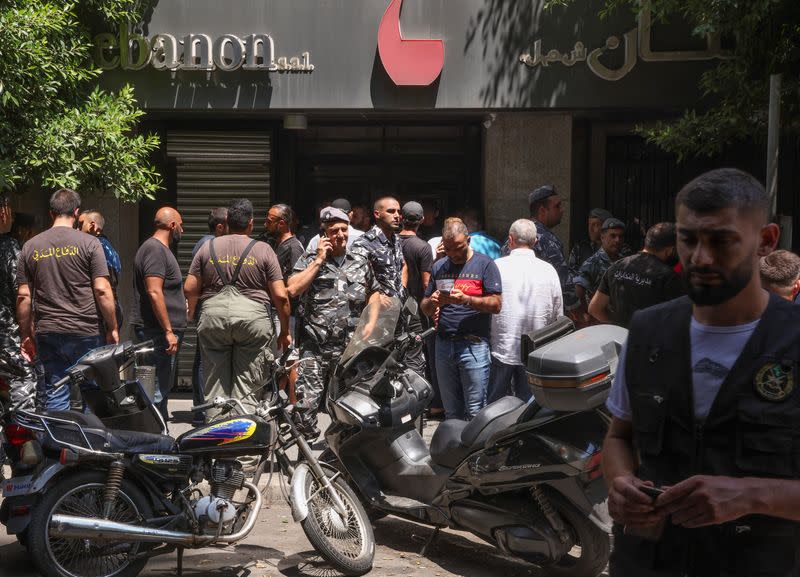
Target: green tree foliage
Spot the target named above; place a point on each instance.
(56, 127)
(764, 38)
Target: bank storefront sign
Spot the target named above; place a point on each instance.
(194, 51)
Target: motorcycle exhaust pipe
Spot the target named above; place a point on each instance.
(73, 527)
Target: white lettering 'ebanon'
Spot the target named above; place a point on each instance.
(196, 52)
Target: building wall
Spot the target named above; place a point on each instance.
(522, 151)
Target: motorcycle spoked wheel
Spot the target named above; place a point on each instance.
(348, 544)
(82, 494)
(592, 548)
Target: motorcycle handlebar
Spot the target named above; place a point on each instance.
(62, 382)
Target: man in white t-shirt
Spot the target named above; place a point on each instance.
(532, 300)
(702, 458)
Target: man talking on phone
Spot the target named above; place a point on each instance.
(702, 458)
(333, 285)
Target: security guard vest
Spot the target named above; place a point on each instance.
(752, 430)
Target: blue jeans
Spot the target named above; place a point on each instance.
(58, 352)
(462, 368)
(164, 363)
(508, 380)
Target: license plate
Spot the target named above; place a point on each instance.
(17, 486)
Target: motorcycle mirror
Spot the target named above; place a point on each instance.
(411, 308)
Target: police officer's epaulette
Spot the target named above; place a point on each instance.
(371, 235)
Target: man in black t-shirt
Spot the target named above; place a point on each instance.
(159, 306)
(640, 280)
(416, 252)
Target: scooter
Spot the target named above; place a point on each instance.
(523, 477)
(101, 502)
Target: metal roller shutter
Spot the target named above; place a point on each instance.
(212, 169)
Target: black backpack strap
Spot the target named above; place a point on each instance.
(241, 261)
(215, 263)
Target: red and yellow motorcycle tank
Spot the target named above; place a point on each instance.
(240, 435)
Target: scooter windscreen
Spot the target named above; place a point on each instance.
(376, 327)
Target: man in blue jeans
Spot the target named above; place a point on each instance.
(464, 292)
(159, 307)
(63, 295)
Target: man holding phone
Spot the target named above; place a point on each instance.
(465, 290)
(333, 285)
(702, 457)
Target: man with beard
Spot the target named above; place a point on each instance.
(705, 405)
(382, 248)
(159, 307)
(465, 290)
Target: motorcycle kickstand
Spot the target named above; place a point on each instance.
(180, 561)
(424, 551)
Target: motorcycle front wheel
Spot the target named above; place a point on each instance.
(347, 543)
(81, 494)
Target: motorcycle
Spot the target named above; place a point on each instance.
(522, 477)
(103, 501)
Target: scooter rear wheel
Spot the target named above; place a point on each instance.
(347, 543)
(593, 545)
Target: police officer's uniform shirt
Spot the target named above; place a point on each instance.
(386, 257)
(714, 352)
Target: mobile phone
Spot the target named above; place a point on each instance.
(653, 492)
(445, 293)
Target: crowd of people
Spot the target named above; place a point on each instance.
(255, 287)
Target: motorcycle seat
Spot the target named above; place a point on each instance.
(103, 439)
(454, 440)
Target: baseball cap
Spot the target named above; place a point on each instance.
(541, 193)
(600, 214)
(342, 204)
(412, 211)
(331, 214)
(612, 222)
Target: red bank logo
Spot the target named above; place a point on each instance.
(408, 62)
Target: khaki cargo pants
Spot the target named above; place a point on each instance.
(234, 335)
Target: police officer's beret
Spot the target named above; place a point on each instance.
(541, 193)
(612, 222)
(342, 204)
(600, 214)
(331, 214)
(413, 211)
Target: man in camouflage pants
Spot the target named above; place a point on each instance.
(19, 373)
(334, 285)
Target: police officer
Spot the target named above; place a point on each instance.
(706, 404)
(382, 247)
(585, 248)
(591, 272)
(20, 374)
(334, 284)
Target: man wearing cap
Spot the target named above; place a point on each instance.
(546, 211)
(352, 233)
(416, 252)
(585, 248)
(333, 285)
(419, 263)
(591, 272)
